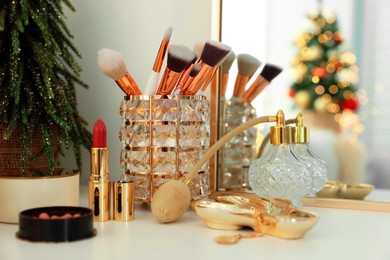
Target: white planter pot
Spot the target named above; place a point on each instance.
(21, 193)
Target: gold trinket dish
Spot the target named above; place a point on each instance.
(262, 215)
(336, 189)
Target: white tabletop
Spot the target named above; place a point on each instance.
(340, 234)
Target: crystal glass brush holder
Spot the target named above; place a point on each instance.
(162, 138)
(236, 156)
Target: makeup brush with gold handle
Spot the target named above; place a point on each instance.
(225, 68)
(179, 58)
(112, 64)
(188, 80)
(211, 75)
(213, 52)
(152, 83)
(247, 66)
(265, 77)
(185, 77)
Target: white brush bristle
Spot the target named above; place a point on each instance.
(247, 64)
(168, 34)
(198, 47)
(228, 62)
(111, 63)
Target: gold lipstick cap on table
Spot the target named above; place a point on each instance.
(123, 200)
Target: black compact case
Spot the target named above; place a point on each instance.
(36, 229)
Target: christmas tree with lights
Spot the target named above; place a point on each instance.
(325, 75)
(325, 90)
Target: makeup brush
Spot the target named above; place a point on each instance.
(194, 71)
(179, 58)
(152, 83)
(112, 64)
(185, 76)
(247, 66)
(225, 67)
(198, 48)
(213, 52)
(211, 76)
(268, 73)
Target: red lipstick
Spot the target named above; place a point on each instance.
(99, 178)
(99, 135)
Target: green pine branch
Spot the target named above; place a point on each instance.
(38, 78)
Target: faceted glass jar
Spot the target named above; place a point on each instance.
(162, 138)
(239, 152)
(280, 174)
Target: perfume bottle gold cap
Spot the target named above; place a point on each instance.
(280, 134)
(123, 200)
(300, 133)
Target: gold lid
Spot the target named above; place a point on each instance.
(123, 201)
(300, 133)
(280, 134)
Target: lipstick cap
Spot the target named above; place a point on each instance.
(123, 201)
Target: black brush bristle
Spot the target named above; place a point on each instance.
(270, 72)
(195, 70)
(179, 57)
(213, 52)
(193, 61)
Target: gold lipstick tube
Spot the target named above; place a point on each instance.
(99, 185)
(128, 85)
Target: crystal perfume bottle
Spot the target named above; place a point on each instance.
(300, 147)
(279, 173)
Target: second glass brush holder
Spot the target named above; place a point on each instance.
(237, 155)
(162, 138)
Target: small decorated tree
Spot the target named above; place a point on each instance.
(325, 90)
(325, 75)
(38, 76)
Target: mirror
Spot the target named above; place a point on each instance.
(267, 30)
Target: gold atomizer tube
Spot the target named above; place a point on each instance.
(99, 185)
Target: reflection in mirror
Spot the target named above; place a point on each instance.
(354, 145)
